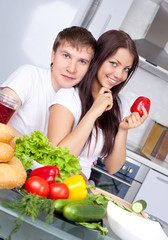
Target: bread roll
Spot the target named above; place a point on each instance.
(12, 143)
(6, 133)
(6, 152)
(12, 174)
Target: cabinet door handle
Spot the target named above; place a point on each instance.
(162, 180)
(111, 176)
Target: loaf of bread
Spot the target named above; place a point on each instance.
(12, 174)
(12, 144)
(6, 152)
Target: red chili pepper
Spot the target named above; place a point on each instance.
(139, 102)
(49, 173)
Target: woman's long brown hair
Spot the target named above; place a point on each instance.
(107, 44)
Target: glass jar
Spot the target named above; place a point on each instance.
(8, 106)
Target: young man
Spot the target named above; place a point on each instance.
(36, 87)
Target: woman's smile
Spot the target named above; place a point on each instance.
(111, 80)
(115, 69)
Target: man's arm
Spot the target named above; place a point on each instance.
(8, 91)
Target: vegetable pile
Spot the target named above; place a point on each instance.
(46, 182)
(45, 185)
(86, 213)
(51, 189)
(37, 147)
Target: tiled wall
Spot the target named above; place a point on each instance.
(146, 84)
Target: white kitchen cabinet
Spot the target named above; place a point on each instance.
(154, 191)
(109, 15)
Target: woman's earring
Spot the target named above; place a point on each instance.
(51, 66)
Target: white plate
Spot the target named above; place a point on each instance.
(129, 226)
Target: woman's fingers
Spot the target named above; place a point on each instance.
(145, 114)
(104, 90)
(106, 97)
(134, 120)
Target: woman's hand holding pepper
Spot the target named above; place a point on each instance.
(134, 120)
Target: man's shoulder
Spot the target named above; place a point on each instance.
(69, 95)
(68, 91)
(32, 68)
(25, 75)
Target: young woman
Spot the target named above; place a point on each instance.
(92, 120)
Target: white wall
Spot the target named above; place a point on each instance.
(109, 15)
(28, 30)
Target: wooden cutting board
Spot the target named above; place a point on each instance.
(120, 201)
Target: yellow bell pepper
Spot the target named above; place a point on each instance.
(77, 187)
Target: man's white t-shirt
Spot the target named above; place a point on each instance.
(70, 99)
(34, 88)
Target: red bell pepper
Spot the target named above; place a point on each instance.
(139, 102)
(50, 173)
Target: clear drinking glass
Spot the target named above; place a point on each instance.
(8, 106)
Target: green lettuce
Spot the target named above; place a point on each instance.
(37, 147)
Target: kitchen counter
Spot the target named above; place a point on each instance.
(59, 229)
(151, 162)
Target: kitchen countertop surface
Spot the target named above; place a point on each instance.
(153, 163)
(59, 229)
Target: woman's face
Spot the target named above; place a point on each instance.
(115, 69)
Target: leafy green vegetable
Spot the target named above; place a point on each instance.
(37, 147)
(94, 225)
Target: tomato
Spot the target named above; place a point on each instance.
(37, 185)
(139, 102)
(58, 190)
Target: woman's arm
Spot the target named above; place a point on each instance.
(60, 129)
(61, 121)
(118, 156)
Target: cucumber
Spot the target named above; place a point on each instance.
(60, 203)
(84, 213)
(139, 206)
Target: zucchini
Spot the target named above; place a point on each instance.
(139, 206)
(84, 213)
(61, 203)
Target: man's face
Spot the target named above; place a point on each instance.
(69, 65)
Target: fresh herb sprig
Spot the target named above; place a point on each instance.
(30, 205)
(96, 226)
(102, 199)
